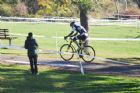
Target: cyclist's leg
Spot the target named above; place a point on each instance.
(82, 40)
(84, 43)
(79, 37)
(75, 40)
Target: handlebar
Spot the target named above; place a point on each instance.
(69, 38)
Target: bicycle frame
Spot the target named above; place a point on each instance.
(77, 44)
(80, 51)
(72, 45)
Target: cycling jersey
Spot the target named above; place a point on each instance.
(78, 28)
(81, 30)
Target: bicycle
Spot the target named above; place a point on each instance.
(67, 51)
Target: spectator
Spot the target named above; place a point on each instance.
(31, 46)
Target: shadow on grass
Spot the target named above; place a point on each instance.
(114, 69)
(133, 60)
(19, 80)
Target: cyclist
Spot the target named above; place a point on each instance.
(78, 32)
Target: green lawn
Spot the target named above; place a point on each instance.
(114, 31)
(108, 49)
(17, 79)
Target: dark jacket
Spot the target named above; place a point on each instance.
(31, 45)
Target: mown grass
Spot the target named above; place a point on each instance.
(114, 31)
(106, 49)
(17, 79)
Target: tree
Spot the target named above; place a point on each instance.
(9, 1)
(105, 8)
(20, 9)
(32, 5)
(62, 8)
(138, 3)
(54, 8)
(84, 6)
(46, 7)
(35, 6)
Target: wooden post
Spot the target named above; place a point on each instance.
(9, 42)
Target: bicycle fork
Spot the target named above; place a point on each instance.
(69, 46)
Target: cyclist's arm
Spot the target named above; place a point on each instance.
(74, 34)
(70, 34)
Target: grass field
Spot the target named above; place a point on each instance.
(17, 79)
(118, 50)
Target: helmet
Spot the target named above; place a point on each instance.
(71, 24)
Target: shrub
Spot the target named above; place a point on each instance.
(5, 10)
(132, 11)
(21, 9)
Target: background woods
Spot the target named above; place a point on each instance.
(68, 8)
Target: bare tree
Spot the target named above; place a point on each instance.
(126, 4)
(35, 6)
(138, 3)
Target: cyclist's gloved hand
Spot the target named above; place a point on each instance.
(65, 37)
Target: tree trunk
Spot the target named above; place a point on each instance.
(84, 22)
(35, 7)
(138, 2)
(117, 8)
(84, 19)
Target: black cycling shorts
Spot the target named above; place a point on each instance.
(80, 37)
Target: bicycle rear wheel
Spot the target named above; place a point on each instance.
(66, 52)
(88, 54)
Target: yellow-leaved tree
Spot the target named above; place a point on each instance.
(54, 8)
(45, 7)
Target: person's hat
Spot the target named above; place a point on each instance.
(30, 34)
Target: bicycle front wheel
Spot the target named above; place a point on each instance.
(66, 52)
(88, 54)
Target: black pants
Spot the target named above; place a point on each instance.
(33, 64)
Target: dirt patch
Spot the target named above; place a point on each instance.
(97, 68)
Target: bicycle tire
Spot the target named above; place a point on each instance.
(66, 55)
(88, 57)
